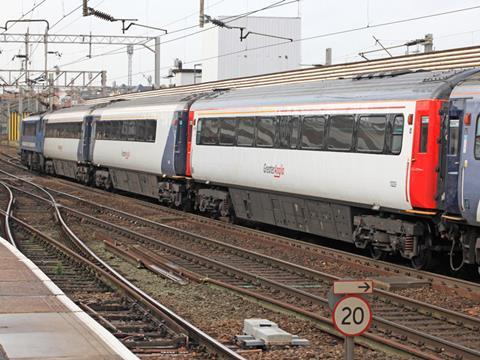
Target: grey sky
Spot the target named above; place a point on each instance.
(318, 17)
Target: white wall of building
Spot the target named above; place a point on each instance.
(220, 41)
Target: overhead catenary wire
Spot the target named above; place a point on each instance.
(25, 14)
(227, 20)
(324, 35)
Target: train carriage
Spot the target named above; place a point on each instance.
(346, 159)
(64, 144)
(31, 141)
(385, 161)
(140, 146)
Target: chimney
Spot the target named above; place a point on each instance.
(328, 56)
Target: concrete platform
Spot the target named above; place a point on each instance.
(38, 321)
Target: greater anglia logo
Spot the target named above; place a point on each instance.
(125, 154)
(275, 170)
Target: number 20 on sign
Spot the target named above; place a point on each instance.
(352, 315)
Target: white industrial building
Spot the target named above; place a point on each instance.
(219, 42)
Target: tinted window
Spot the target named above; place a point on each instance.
(477, 139)
(288, 132)
(453, 136)
(29, 129)
(227, 131)
(340, 133)
(266, 132)
(150, 130)
(313, 132)
(209, 131)
(371, 133)
(295, 134)
(396, 137)
(64, 130)
(424, 120)
(126, 130)
(245, 132)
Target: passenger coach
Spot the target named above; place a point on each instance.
(352, 160)
(385, 161)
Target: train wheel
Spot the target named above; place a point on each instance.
(423, 260)
(376, 253)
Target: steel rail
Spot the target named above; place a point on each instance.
(441, 282)
(191, 329)
(7, 214)
(437, 343)
(471, 322)
(431, 339)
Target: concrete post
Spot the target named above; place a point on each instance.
(157, 62)
(428, 44)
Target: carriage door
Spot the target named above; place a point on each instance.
(469, 171)
(425, 154)
(454, 125)
(86, 137)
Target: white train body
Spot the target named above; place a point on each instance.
(135, 155)
(376, 180)
(59, 147)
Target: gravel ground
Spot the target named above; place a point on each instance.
(221, 313)
(299, 256)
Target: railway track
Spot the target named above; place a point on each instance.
(261, 241)
(145, 326)
(408, 326)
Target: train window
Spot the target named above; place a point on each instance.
(99, 131)
(371, 133)
(245, 131)
(453, 136)
(284, 132)
(340, 133)
(150, 130)
(227, 131)
(112, 130)
(313, 132)
(266, 132)
(209, 132)
(295, 132)
(477, 139)
(139, 130)
(424, 120)
(29, 129)
(396, 137)
(129, 129)
(64, 130)
(126, 130)
(288, 132)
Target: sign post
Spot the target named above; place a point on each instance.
(352, 314)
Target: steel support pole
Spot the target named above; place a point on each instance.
(45, 46)
(50, 92)
(157, 62)
(349, 346)
(104, 82)
(9, 123)
(26, 59)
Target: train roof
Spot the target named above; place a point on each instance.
(146, 105)
(406, 85)
(469, 87)
(34, 117)
(72, 114)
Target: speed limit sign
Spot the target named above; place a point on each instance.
(352, 315)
